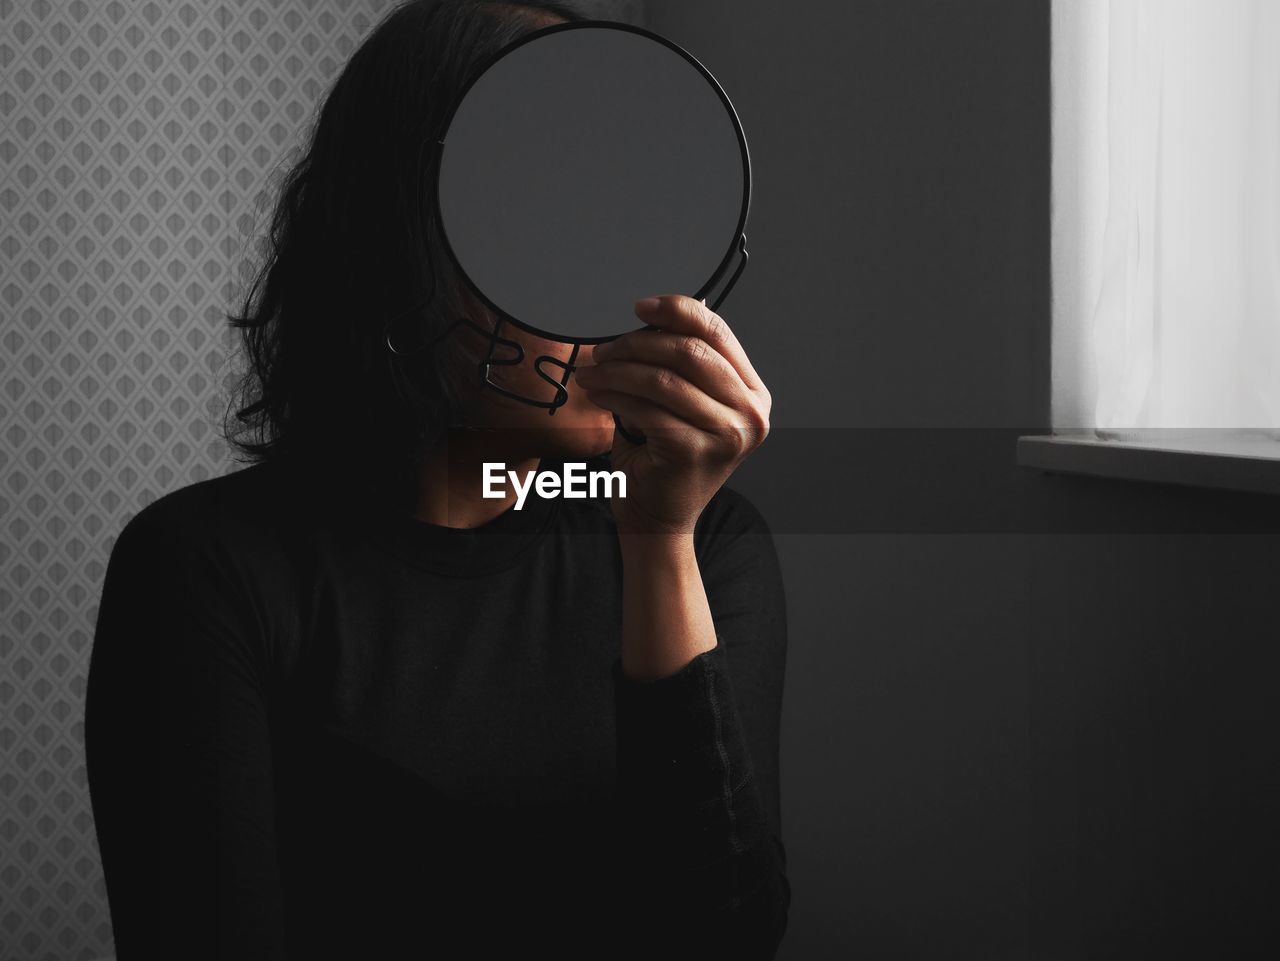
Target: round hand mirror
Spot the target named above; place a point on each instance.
(588, 165)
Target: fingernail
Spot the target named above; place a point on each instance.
(601, 349)
(647, 305)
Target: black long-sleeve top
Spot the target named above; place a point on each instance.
(332, 730)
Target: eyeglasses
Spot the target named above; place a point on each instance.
(552, 371)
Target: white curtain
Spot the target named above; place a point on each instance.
(1166, 215)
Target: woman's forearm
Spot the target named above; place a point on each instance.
(708, 876)
(666, 620)
(708, 863)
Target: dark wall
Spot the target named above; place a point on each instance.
(1026, 716)
(898, 150)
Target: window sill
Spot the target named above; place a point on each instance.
(1230, 460)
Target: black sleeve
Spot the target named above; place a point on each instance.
(698, 763)
(178, 752)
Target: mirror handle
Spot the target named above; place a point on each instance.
(638, 438)
(733, 278)
(634, 437)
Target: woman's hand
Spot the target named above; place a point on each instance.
(689, 387)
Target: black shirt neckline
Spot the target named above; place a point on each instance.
(466, 552)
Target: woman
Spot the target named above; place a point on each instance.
(343, 705)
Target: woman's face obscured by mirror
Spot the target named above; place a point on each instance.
(578, 429)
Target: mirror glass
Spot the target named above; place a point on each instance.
(586, 167)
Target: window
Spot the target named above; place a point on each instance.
(1166, 222)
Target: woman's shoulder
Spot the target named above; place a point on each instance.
(734, 542)
(730, 513)
(210, 561)
(193, 584)
(235, 515)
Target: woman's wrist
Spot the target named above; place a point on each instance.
(667, 548)
(666, 621)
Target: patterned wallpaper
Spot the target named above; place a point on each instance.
(136, 140)
(140, 145)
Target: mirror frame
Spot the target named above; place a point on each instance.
(737, 242)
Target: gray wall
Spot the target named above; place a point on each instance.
(1026, 716)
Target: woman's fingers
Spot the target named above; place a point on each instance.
(661, 428)
(661, 386)
(684, 315)
(690, 367)
(691, 357)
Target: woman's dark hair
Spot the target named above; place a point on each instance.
(353, 244)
